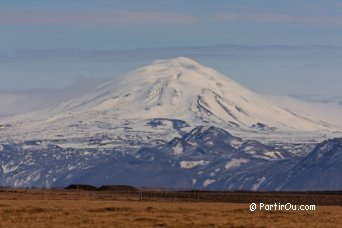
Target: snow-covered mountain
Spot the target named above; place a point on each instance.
(168, 91)
(183, 89)
(167, 124)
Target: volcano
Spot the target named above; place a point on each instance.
(182, 89)
(173, 123)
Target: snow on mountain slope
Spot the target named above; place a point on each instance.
(329, 110)
(216, 166)
(183, 89)
(173, 123)
(173, 91)
(325, 161)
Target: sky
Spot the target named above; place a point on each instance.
(276, 47)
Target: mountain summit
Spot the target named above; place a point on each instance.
(180, 88)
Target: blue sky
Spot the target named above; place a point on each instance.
(283, 46)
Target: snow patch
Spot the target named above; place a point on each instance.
(178, 149)
(257, 185)
(208, 182)
(235, 163)
(250, 150)
(8, 168)
(191, 164)
(235, 143)
(274, 154)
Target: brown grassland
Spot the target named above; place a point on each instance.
(77, 208)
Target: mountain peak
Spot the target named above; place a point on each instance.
(182, 61)
(174, 68)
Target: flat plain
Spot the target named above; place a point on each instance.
(78, 208)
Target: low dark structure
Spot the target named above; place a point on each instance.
(81, 187)
(118, 188)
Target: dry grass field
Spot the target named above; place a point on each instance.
(61, 208)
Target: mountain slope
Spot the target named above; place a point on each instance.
(165, 125)
(183, 89)
(320, 170)
(158, 101)
(197, 161)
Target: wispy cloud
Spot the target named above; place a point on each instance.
(110, 55)
(124, 18)
(110, 17)
(273, 18)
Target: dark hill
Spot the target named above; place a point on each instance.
(118, 188)
(81, 187)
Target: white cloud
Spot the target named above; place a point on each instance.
(110, 17)
(21, 102)
(280, 18)
(125, 18)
